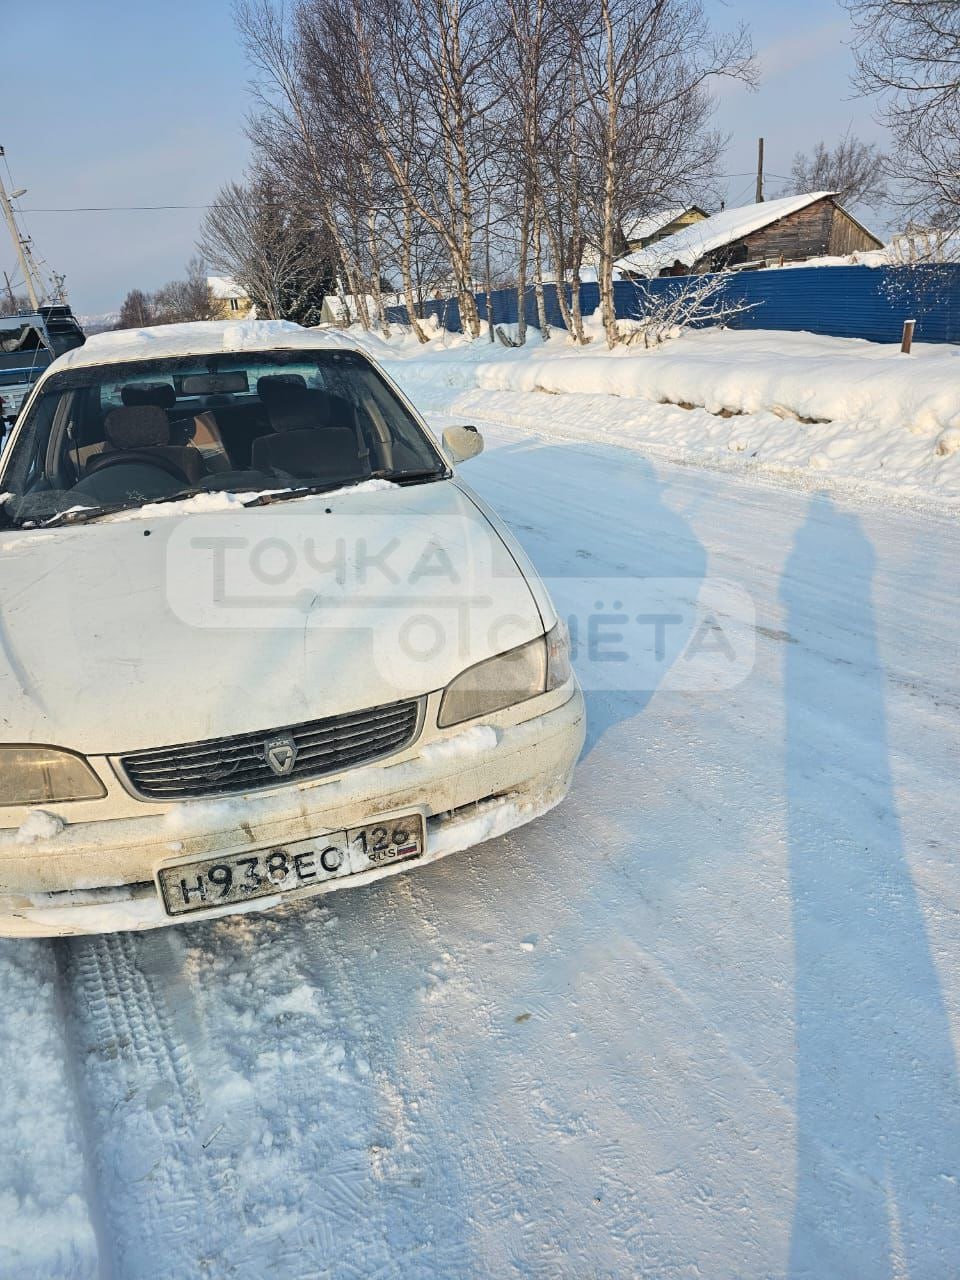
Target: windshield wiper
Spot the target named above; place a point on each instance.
(78, 515)
(301, 491)
(410, 477)
(304, 491)
(83, 515)
(180, 496)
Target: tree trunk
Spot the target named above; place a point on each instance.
(607, 307)
(487, 285)
(571, 318)
(576, 314)
(469, 313)
(406, 271)
(577, 240)
(522, 268)
(357, 286)
(455, 72)
(344, 303)
(538, 272)
(375, 274)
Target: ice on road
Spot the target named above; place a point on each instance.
(699, 1021)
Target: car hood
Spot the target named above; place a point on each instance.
(136, 631)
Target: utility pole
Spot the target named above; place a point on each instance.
(760, 171)
(19, 245)
(10, 294)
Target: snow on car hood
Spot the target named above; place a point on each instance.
(121, 635)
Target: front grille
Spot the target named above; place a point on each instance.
(224, 765)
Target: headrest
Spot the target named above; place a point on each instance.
(158, 393)
(272, 384)
(141, 426)
(299, 409)
(310, 455)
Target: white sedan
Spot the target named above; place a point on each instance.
(258, 641)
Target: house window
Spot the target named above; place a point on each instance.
(234, 304)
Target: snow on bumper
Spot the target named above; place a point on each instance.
(97, 877)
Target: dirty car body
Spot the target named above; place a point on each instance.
(258, 640)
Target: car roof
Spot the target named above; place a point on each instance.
(205, 337)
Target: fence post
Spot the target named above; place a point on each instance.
(907, 343)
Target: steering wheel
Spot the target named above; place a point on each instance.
(137, 457)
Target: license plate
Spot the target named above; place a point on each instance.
(264, 873)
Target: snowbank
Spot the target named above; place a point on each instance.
(835, 408)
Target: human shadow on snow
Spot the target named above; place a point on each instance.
(878, 1106)
(661, 544)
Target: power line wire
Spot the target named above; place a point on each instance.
(119, 208)
(165, 208)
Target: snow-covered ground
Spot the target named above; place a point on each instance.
(702, 1020)
(837, 412)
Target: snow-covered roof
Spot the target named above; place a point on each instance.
(690, 244)
(225, 287)
(201, 337)
(643, 228)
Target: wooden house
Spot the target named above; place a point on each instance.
(657, 226)
(791, 229)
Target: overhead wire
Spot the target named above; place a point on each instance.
(163, 208)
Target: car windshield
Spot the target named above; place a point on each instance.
(116, 436)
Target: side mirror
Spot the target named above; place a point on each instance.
(462, 443)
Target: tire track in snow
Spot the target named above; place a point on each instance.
(47, 1230)
(166, 1207)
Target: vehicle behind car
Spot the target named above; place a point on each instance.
(29, 343)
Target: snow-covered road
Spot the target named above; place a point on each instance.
(700, 1021)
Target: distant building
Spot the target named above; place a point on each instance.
(757, 235)
(657, 226)
(332, 309)
(233, 301)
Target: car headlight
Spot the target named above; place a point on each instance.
(41, 775)
(537, 667)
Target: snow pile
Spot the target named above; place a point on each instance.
(39, 825)
(845, 410)
(462, 746)
(864, 384)
(198, 337)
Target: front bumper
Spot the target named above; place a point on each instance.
(99, 876)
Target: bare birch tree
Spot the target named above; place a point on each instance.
(853, 169)
(505, 136)
(647, 66)
(909, 55)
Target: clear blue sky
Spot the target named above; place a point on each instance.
(110, 102)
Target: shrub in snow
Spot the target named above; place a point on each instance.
(693, 302)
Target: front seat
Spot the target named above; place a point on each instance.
(141, 434)
(314, 437)
(164, 395)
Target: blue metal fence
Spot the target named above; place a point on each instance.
(843, 302)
